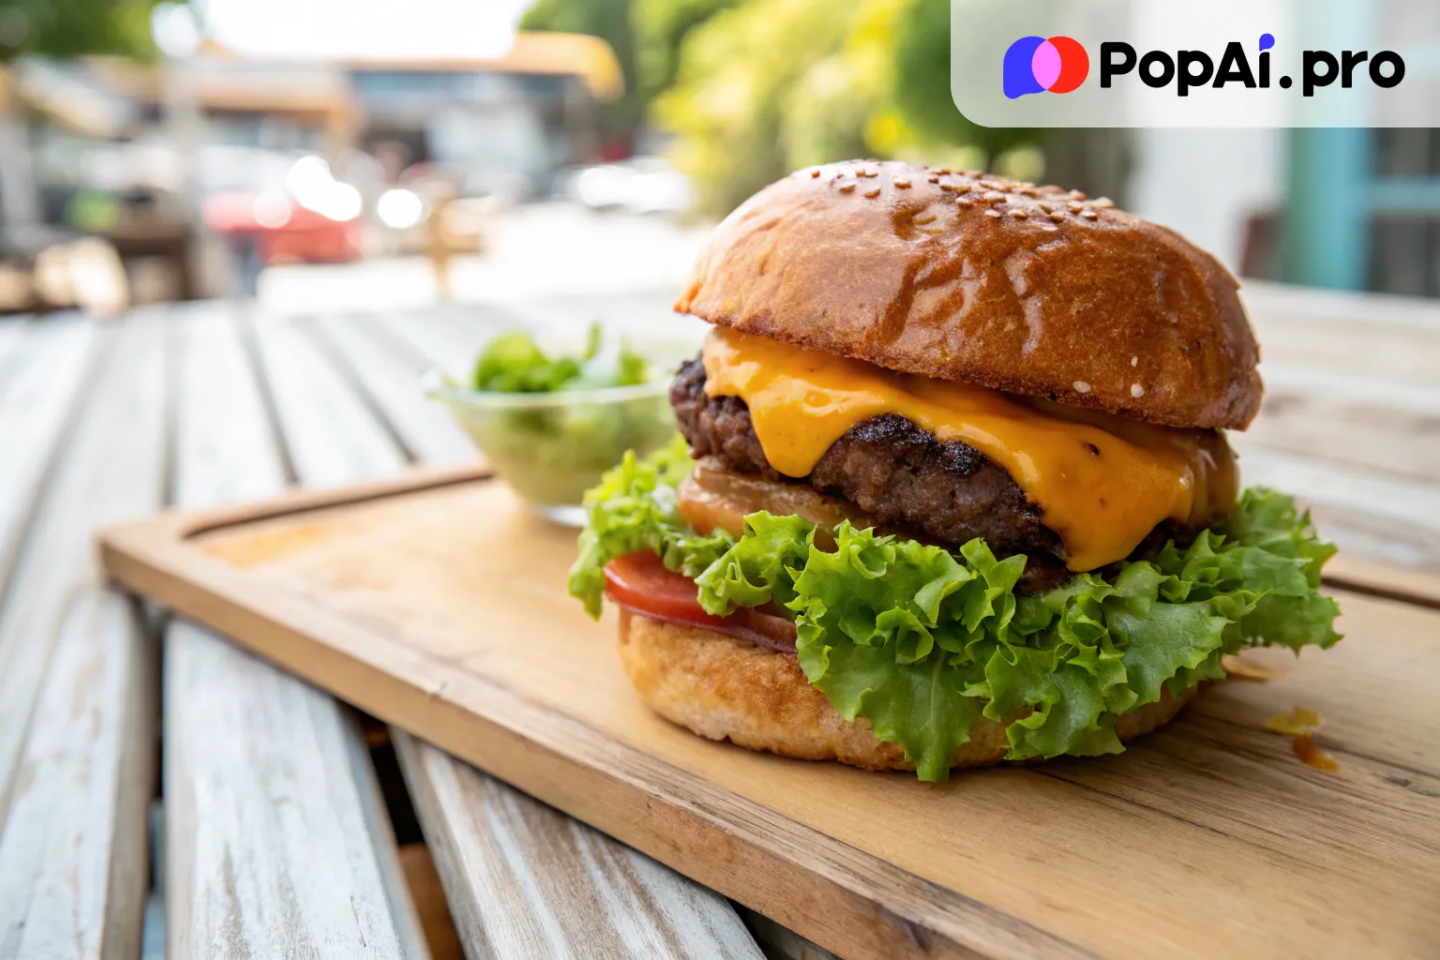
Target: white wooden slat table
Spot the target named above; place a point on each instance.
(582, 894)
(276, 840)
(77, 751)
(12, 331)
(38, 389)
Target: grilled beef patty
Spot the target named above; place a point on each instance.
(895, 472)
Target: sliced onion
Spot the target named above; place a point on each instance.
(713, 497)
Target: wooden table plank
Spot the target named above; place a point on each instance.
(330, 437)
(1383, 426)
(76, 697)
(1388, 338)
(276, 841)
(1366, 513)
(527, 881)
(447, 339)
(44, 385)
(391, 380)
(12, 331)
(523, 879)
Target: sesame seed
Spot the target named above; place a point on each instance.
(943, 171)
(972, 174)
(846, 187)
(873, 192)
(964, 202)
(1134, 361)
(1104, 203)
(933, 179)
(962, 188)
(815, 172)
(925, 218)
(1081, 386)
(993, 213)
(994, 195)
(1047, 207)
(1019, 214)
(1136, 390)
(948, 186)
(1058, 217)
(1049, 228)
(902, 184)
(1076, 207)
(867, 173)
(1089, 214)
(1077, 194)
(1028, 190)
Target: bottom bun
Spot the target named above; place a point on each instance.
(723, 688)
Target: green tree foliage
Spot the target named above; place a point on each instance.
(660, 28)
(646, 36)
(761, 87)
(610, 20)
(922, 81)
(753, 89)
(72, 28)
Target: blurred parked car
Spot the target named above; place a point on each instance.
(310, 217)
(638, 185)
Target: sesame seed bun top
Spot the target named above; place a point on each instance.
(960, 276)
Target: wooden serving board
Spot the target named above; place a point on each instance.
(439, 605)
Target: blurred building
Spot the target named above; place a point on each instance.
(134, 153)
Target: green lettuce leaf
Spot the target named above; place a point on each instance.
(514, 363)
(923, 642)
(634, 508)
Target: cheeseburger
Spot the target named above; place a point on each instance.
(954, 486)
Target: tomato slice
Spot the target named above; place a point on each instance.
(641, 582)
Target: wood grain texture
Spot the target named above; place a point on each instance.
(38, 391)
(1386, 426)
(390, 380)
(513, 894)
(73, 854)
(331, 438)
(1405, 584)
(527, 881)
(1367, 513)
(1208, 838)
(276, 842)
(447, 338)
(1394, 339)
(76, 690)
(1351, 417)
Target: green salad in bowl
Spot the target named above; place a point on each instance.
(550, 423)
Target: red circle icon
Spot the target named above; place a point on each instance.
(1074, 65)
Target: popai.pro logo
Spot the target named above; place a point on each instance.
(1038, 65)
(1060, 65)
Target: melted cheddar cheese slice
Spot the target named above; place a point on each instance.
(1102, 482)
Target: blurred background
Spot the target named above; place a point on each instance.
(349, 154)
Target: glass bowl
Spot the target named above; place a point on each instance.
(552, 447)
